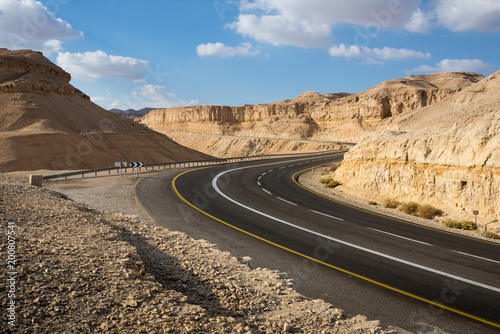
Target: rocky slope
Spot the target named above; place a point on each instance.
(45, 123)
(226, 146)
(338, 117)
(81, 270)
(446, 154)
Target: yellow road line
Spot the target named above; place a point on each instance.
(174, 187)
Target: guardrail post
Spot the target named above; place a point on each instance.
(36, 180)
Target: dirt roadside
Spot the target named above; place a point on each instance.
(96, 263)
(311, 180)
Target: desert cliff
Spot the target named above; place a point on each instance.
(46, 123)
(446, 154)
(336, 117)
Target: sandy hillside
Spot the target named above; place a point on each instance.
(45, 123)
(446, 154)
(226, 146)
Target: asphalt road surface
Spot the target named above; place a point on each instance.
(398, 272)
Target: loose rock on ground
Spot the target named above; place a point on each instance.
(81, 270)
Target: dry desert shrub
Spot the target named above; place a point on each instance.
(428, 211)
(333, 184)
(492, 235)
(410, 208)
(464, 224)
(325, 181)
(333, 168)
(391, 203)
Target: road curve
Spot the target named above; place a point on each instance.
(263, 200)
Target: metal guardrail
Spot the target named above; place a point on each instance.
(170, 165)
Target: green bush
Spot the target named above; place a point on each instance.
(492, 235)
(391, 203)
(410, 208)
(333, 184)
(372, 203)
(428, 211)
(464, 224)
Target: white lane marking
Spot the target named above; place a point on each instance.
(284, 200)
(270, 171)
(264, 173)
(266, 191)
(324, 214)
(282, 167)
(398, 236)
(389, 257)
(479, 257)
(258, 182)
(260, 177)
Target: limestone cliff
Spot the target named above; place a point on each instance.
(446, 154)
(329, 116)
(45, 123)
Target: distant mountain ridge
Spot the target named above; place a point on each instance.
(132, 112)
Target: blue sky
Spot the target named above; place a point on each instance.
(171, 53)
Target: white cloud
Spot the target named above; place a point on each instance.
(27, 24)
(224, 51)
(462, 15)
(145, 96)
(420, 22)
(96, 65)
(156, 95)
(280, 30)
(375, 55)
(387, 13)
(457, 65)
(310, 23)
(52, 46)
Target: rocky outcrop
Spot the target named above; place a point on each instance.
(45, 123)
(314, 115)
(445, 154)
(28, 71)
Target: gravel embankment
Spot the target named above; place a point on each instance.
(81, 270)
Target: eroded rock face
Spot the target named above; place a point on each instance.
(313, 114)
(28, 71)
(446, 154)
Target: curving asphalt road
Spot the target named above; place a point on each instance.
(402, 273)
